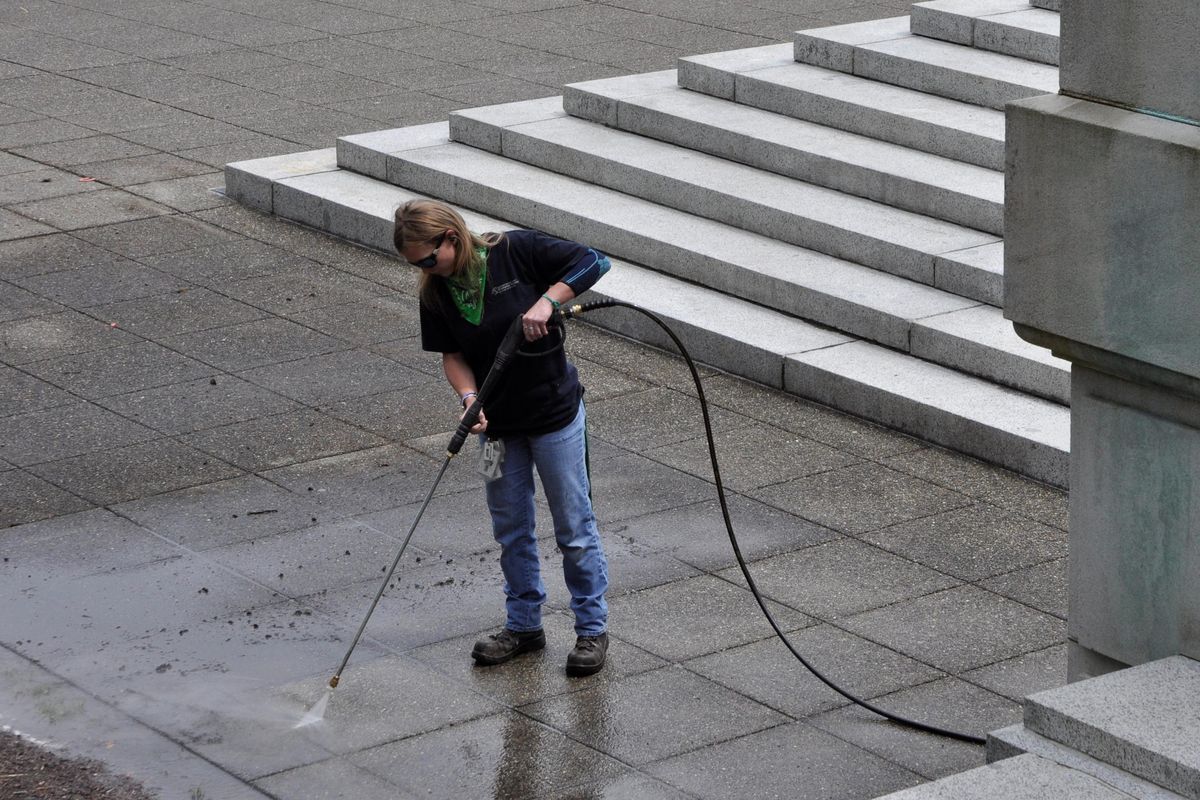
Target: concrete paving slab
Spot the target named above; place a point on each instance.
(76, 545)
(797, 761)
(753, 456)
(66, 431)
(28, 498)
(989, 628)
(985, 482)
(846, 433)
(1043, 586)
(947, 702)
(39, 184)
(860, 498)
(253, 344)
(1018, 677)
(422, 409)
(111, 476)
(185, 194)
(381, 318)
(190, 309)
(15, 226)
(276, 441)
(83, 151)
(21, 392)
(20, 304)
(214, 514)
(761, 531)
(119, 369)
(103, 207)
(767, 672)
(721, 615)
(47, 336)
(832, 589)
(53, 253)
(108, 282)
(312, 559)
(151, 237)
(630, 487)
(972, 543)
(322, 380)
(632, 420)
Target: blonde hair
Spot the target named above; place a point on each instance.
(424, 220)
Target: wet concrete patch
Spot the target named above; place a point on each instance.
(654, 715)
(505, 757)
(794, 761)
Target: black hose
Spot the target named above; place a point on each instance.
(575, 310)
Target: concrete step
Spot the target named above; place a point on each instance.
(1026, 777)
(926, 122)
(830, 291)
(1049, 5)
(1017, 740)
(898, 176)
(1141, 720)
(1026, 434)
(949, 70)
(855, 299)
(727, 332)
(1011, 27)
(827, 221)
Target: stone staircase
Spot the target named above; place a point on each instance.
(824, 216)
(1128, 734)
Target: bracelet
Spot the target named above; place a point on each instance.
(466, 395)
(557, 305)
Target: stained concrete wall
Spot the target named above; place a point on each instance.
(1143, 54)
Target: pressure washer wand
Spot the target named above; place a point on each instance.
(508, 347)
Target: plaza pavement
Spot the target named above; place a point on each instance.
(215, 427)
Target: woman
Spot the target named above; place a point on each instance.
(471, 288)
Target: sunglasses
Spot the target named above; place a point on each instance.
(430, 261)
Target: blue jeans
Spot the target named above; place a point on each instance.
(561, 461)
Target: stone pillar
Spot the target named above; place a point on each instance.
(1102, 266)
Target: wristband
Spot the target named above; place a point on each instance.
(466, 395)
(553, 302)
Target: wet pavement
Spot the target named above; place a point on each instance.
(215, 429)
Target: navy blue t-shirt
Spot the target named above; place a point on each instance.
(538, 394)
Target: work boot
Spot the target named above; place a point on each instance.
(496, 648)
(588, 656)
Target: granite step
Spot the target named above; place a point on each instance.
(946, 407)
(1011, 27)
(894, 55)
(907, 117)
(860, 165)
(847, 296)
(1026, 777)
(827, 221)
(1141, 720)
(1016, 740)
(856, 299)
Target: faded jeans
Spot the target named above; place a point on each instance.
(561, 461)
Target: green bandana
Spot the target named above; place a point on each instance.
(469, 299)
